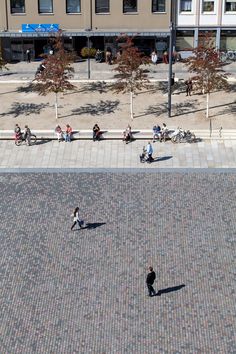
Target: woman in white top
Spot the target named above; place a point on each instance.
(154, 57)
(76, 218)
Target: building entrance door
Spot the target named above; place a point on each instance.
(41, 47)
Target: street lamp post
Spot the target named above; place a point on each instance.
(89, 70)
(170, 69)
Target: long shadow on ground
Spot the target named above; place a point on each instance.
(93, 225)
(170, 290)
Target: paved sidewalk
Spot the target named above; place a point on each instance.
(99, 71)
(115, 154)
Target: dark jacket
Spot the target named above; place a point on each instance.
(151, 277)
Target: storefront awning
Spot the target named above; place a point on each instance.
(85, 34)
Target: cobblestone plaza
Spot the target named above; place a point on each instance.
(84, 291)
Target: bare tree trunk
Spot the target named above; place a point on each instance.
(207, 108)
(56, 105)
(131, 106)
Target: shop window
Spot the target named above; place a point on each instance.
(102, 6)
(17, 6)
(228, 40)
(208, 6)
(230, 6)
(184, 40)
(130, 6)
(73, 6)
(158, 5)
(185, 5)
(45, 6)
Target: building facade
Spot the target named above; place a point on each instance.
(28, 24)
(194, 17)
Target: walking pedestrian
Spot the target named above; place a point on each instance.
(28, 55)
(149, 150)
(189, 87)
(150, 281)
(76, 219)
(27, 135)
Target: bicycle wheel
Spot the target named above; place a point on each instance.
(18, 142)
(175, 139)
(33, 139)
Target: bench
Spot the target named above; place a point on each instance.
(117, 134)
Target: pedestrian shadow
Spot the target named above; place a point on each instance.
(93, 225)
(170, 290)
(43, 141)
(163, 158)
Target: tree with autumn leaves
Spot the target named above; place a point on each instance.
(207, 67)
(56, 73)
(131, 76)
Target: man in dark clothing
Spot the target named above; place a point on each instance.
(189, 87)
(150, 280)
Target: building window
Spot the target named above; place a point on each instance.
(185, 5)
(208, 6)
(73, 6)
(17, 6)
(158, 5)
(230, 6)
(130, 6)
(45, 6)
(102, 6)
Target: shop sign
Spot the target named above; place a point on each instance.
(44, 27)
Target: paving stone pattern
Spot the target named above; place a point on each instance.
(84, 291)
(116, 154)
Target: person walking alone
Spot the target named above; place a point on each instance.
(149, 150)
(76, 219)
(150, 281)
(28, 55)
(189, 87)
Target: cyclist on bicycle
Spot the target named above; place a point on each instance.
(27, 135)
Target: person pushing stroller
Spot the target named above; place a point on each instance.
(146, 155)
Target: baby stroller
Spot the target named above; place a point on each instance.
(144, 156)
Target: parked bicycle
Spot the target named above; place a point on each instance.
(183, 136)
(229, 55)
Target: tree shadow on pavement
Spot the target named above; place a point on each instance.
(102, 107)
(181, 108)
(229, 109)
(156, 110)
(26, 89)
(189, 107)
(100, 86)
(170, 290)
(26, 109)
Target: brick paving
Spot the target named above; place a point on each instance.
(84, 291)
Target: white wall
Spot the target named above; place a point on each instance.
(187, 18)
(229, 19)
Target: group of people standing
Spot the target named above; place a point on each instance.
(64, 135)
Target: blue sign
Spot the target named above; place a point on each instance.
(40, 27)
